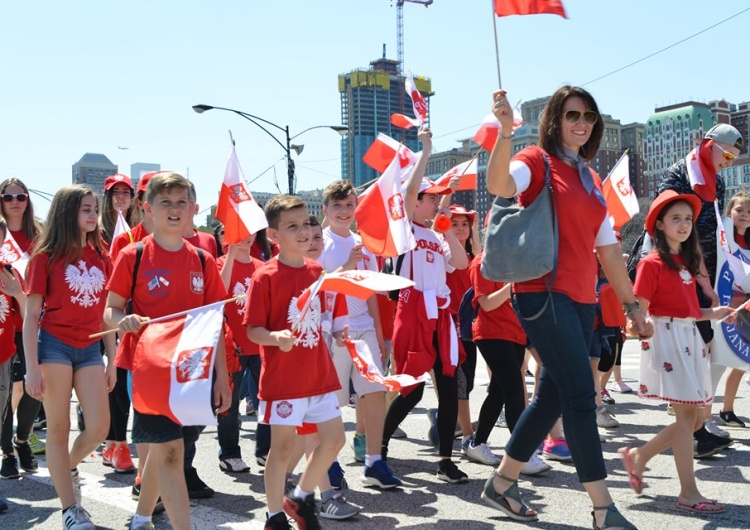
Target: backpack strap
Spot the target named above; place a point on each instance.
(202, 258)
(136, 266)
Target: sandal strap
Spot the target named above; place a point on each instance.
(500, 475)
(613, 519)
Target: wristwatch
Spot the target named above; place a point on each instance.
(631, 308)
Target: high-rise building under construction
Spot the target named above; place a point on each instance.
(368, 98)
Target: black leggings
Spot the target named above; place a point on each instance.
(447, 390)
(119, 408)
(507, 386)
(614, 355)
(26, 413)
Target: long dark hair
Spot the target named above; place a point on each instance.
(219, 250)
(550, 124)
(690, 250)
(108, 218)
(29, 224)
(739, 197)
(61, 235)
(261, 238)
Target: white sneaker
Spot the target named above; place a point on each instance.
(713, 428)
(535, 465)
(234, 465)
(605, 418)
(76, 518)
(76, 480)
(481, 453)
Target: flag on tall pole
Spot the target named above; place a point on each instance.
(240, 214)
(504, 8)
(173, 366)
(418, 104)
(622, 204)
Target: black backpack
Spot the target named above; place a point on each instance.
(635, 255)
(467, 313)
(389, 268)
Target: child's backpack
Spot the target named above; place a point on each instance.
(467, 313)
(390, 268)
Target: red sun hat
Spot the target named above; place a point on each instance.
(457, 209)
(666, 198)
(117, 178)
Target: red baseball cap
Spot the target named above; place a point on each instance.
(143, 183)
(665, 198)
(117, 178)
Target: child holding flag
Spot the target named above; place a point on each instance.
(65, 283)
(171, 276)
(298, 381)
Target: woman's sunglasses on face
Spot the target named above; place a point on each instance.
(590, 117)
(20, 197)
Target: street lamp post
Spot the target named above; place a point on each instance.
(288, 147)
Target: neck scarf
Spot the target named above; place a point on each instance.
(701, 171)
(584, 172)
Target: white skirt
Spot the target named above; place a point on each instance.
(675, 365)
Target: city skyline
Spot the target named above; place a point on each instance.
(74, 90)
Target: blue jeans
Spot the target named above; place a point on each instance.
(561, 335)
(228, 423)
(250, 370)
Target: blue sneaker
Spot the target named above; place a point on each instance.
(360, 447)
(556, 449)
(336, 476)
(380, 475)
(3, 506)
(432, 433)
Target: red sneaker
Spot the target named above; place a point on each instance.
(121, 459)
(107, 455)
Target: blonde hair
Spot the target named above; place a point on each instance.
(281, 203)
(165, 182)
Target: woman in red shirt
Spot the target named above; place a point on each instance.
(65, 284)
(119, 196)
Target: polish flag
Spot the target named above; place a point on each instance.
(468, 173)
(622, 204)
(383, 150)
(121, 227)
(418, 104)
(486, 136)
(504, 8)
(363, 361)
(363, 284)
(237, 210)
(11, 254)
(173, 366)
(701, 172)
(381, 214)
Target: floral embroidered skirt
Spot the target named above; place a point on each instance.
(675, 365)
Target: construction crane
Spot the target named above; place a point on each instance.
(400, 29)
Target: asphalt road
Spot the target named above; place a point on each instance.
(425, 502)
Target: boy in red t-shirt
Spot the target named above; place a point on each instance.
(161, 289)
(298, 380)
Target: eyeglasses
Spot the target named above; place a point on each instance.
(590, 117)
(20, 197)
(729, 157)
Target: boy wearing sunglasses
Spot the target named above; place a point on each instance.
(716, 151)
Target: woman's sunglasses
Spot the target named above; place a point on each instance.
(727, 155)
(590, 117)
(20, 197)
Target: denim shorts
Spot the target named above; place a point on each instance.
(53, 350)
(154, 429)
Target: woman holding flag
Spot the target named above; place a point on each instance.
(20, 237)
(571, 129)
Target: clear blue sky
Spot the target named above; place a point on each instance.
(89, 76)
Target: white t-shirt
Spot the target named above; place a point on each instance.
(336, 250)
(428, 264)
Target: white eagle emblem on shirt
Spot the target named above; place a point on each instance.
(241, 288)
(308, 330)
(4, 309)
(8, 254)
(85, 283)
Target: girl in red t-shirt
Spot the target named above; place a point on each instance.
(65, 284)
(738, 209)
(675, 366)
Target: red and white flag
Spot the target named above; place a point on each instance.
(418, 104)
(173, 366)
(383, 150)
(381, 214)
(486, 136)
(121, 227)
(363, 361)
(701, 172)
(11, 254)
(622, 204)
(504, 8)
(240, 214)
(468, 173)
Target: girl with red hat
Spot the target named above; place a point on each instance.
(675, 366)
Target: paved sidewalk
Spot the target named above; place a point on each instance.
(425, 502)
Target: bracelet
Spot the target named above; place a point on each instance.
(631, 308)
(502, 137)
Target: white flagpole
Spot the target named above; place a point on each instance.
(497, 49)
(173, 315)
